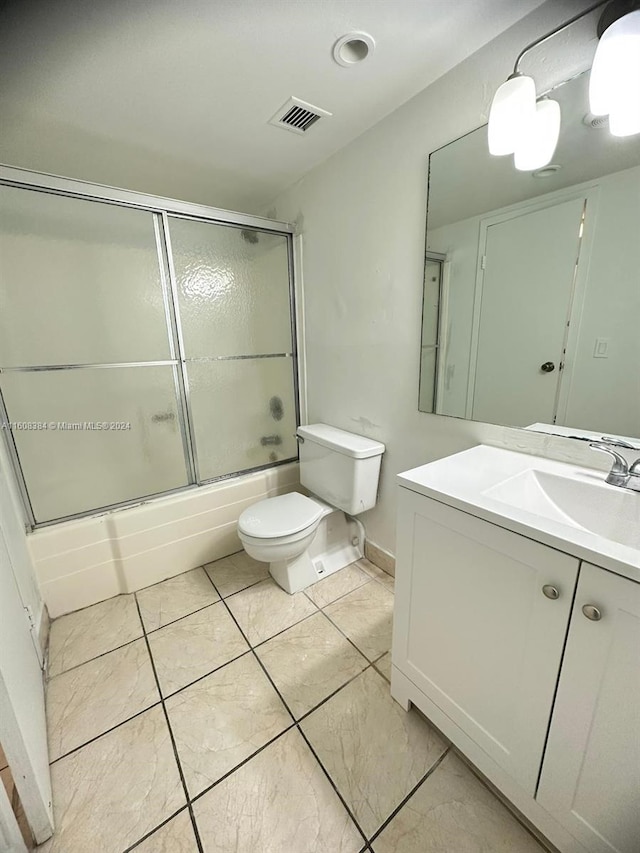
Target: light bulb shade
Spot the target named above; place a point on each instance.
(538, 144)
(614, 84)
(512, 108)
(624, 119)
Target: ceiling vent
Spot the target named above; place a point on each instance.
(297, 116)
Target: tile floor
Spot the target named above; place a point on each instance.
(215, 713)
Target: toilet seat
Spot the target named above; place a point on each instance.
(282, 516)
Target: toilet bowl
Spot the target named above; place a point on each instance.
(280, 528)
(307, 538)
(280, 531)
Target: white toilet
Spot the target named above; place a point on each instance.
(305, 539)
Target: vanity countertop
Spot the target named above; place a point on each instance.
(558, 504)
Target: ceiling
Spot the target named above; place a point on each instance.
(174, 98)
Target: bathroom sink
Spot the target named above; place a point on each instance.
(566, 506)
(593, 506)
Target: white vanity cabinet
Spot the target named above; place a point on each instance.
(591, 771)
(474, 630)
(491, 643)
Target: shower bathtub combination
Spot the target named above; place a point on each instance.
(147, 351)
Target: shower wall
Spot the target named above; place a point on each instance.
(142, 351)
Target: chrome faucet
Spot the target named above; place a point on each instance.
(621, 474)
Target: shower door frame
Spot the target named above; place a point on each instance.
(161, 209)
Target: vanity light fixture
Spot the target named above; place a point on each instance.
(529, 130)
(614, 85)
(513, 107)
(536, 147)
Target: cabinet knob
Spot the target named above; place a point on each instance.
(591, 612)
(550, 591)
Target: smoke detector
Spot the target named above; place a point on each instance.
(298, 116)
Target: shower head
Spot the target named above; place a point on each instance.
(249, 236)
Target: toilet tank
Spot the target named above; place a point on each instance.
(340, 467)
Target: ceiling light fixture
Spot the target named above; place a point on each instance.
(529, 130)
(614, 85)
(353, 48)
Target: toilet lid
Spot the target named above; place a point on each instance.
(279, 516)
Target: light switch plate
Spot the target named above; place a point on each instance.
(601, 348)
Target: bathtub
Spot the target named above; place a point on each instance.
(78, 563)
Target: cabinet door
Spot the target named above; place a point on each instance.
(591, 772)
(474, 630)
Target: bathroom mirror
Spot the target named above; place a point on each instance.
(531, 313)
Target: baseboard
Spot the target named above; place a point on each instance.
(380, 558)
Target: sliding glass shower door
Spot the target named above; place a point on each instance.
(83, 344)
(140, 353)
(237, 343)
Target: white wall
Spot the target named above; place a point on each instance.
(362, 215)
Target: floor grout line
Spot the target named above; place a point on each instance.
(156, 828)
(262, 642)
(338, 628)
(332, 783)
(206, 675)
(173, 740)
(546, 845)
(237, 591)
(373, 577)
(319, 609)
(342, 595)
(406, 799)
(369, 663)
(96, 657)
(302, 734)
(374, 664)
(244, 761)
(197, 610)
(331, 695)
(105, 732)
(179, 618)
(142, 626)
(295, 724)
